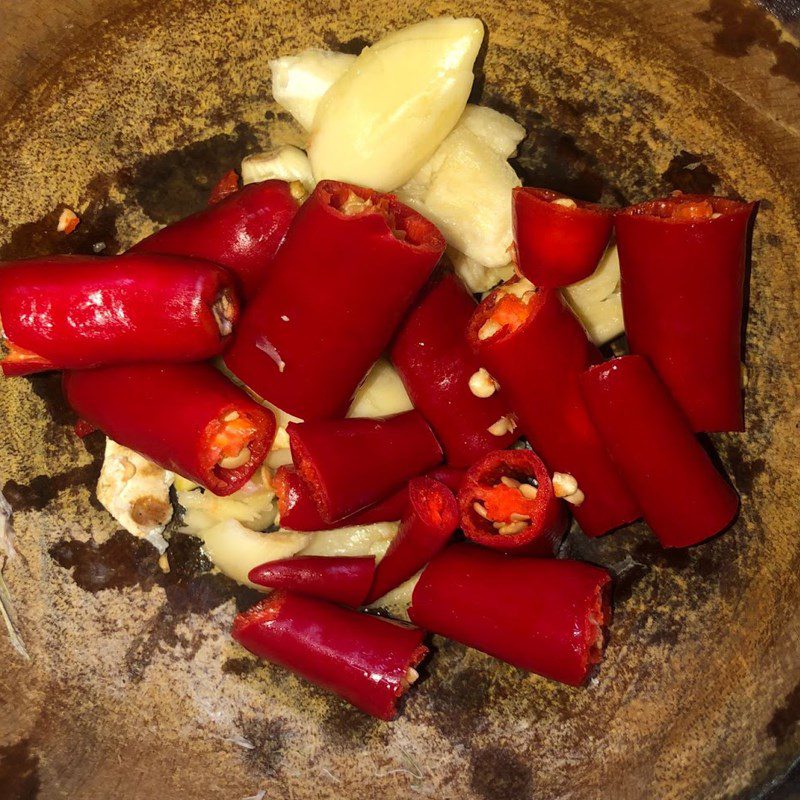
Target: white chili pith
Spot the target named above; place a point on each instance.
(565, 202)
(566, 487)
(223, 313)
(482, 384)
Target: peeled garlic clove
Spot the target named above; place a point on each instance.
(299, 82)
(287, 163)
(465, 189)
(498, 131)
(380, 394)
(385, 117)
(478, 277)
(597, 301)
(235, 549)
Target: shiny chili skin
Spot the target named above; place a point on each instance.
(435, 363)
(555, 245)
(683, 277)
(341, 579)
(543, 615)
(351, 464)
(538, 365)
(548, 519)
(242, 232)
(299, 512)
(683, 497)
(362, 658)
(170, 413)
(332, 299)
(77, 312)
(427, 527)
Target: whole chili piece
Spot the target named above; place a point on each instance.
(188, 418)
(436, 365)
(682, 267)
(298, 508)
(367, 660)
(76, 312)
(352, 263)
(340, 579)
(507, 503)
(683, 498)
(559, 241)
(350, 464)
(428, 525)
(536, 349)
(242, 232)
(544, 615)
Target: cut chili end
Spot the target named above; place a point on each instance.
(687, 208)
(598, 618)
(230, 443)
(15, 358)
(265, 610)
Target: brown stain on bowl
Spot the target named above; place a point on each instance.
(741, 26)
(19, 772)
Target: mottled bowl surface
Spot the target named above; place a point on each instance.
(134, 688)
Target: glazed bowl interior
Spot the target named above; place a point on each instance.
(133, 685)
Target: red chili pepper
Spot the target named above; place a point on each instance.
(75, 312)
(340, 579)
(351, 464)
(435, 364)
(367, 660)
(683, 497)
(536, 349)
(507, 503)
(559, 241)
(298, 508)
(186, 417)
(242, 232)
(544, 615)
(428, 525)
(225, 187)
(682, 264)
(352, 263)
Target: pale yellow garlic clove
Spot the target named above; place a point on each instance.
(235, 549)
(300, 82)
(380, 394)
(385, 117)
(465, 188)
(597, 301)
(286, 163)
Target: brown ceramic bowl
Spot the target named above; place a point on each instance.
(128, 112)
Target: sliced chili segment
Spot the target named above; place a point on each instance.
(507, 503)
(558, 240)
(682, 265)
(684, 499)
(351, 265)
(242, 231)
(188, 418)
(298, 508)
(435, 363)
(77, 312)
(366, 660)
(428, 524)
(350, 464)
(340, 579)
(543, 615)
